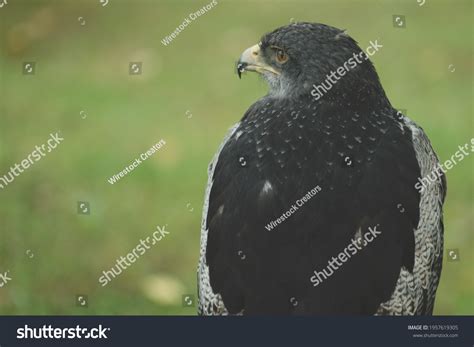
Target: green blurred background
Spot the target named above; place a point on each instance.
(189, 95)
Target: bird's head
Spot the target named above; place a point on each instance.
(295, 57)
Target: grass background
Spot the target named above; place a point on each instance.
(188, 95)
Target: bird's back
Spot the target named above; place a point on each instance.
(265, 235)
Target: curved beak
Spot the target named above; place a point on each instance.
(252, 60)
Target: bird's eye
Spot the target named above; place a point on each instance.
(281, 56)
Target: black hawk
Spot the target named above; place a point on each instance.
(312, 170)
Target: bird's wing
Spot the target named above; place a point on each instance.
(415, 291)
(208, 302)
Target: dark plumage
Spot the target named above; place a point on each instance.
(366, 159)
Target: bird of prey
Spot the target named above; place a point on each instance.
(305, 176)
